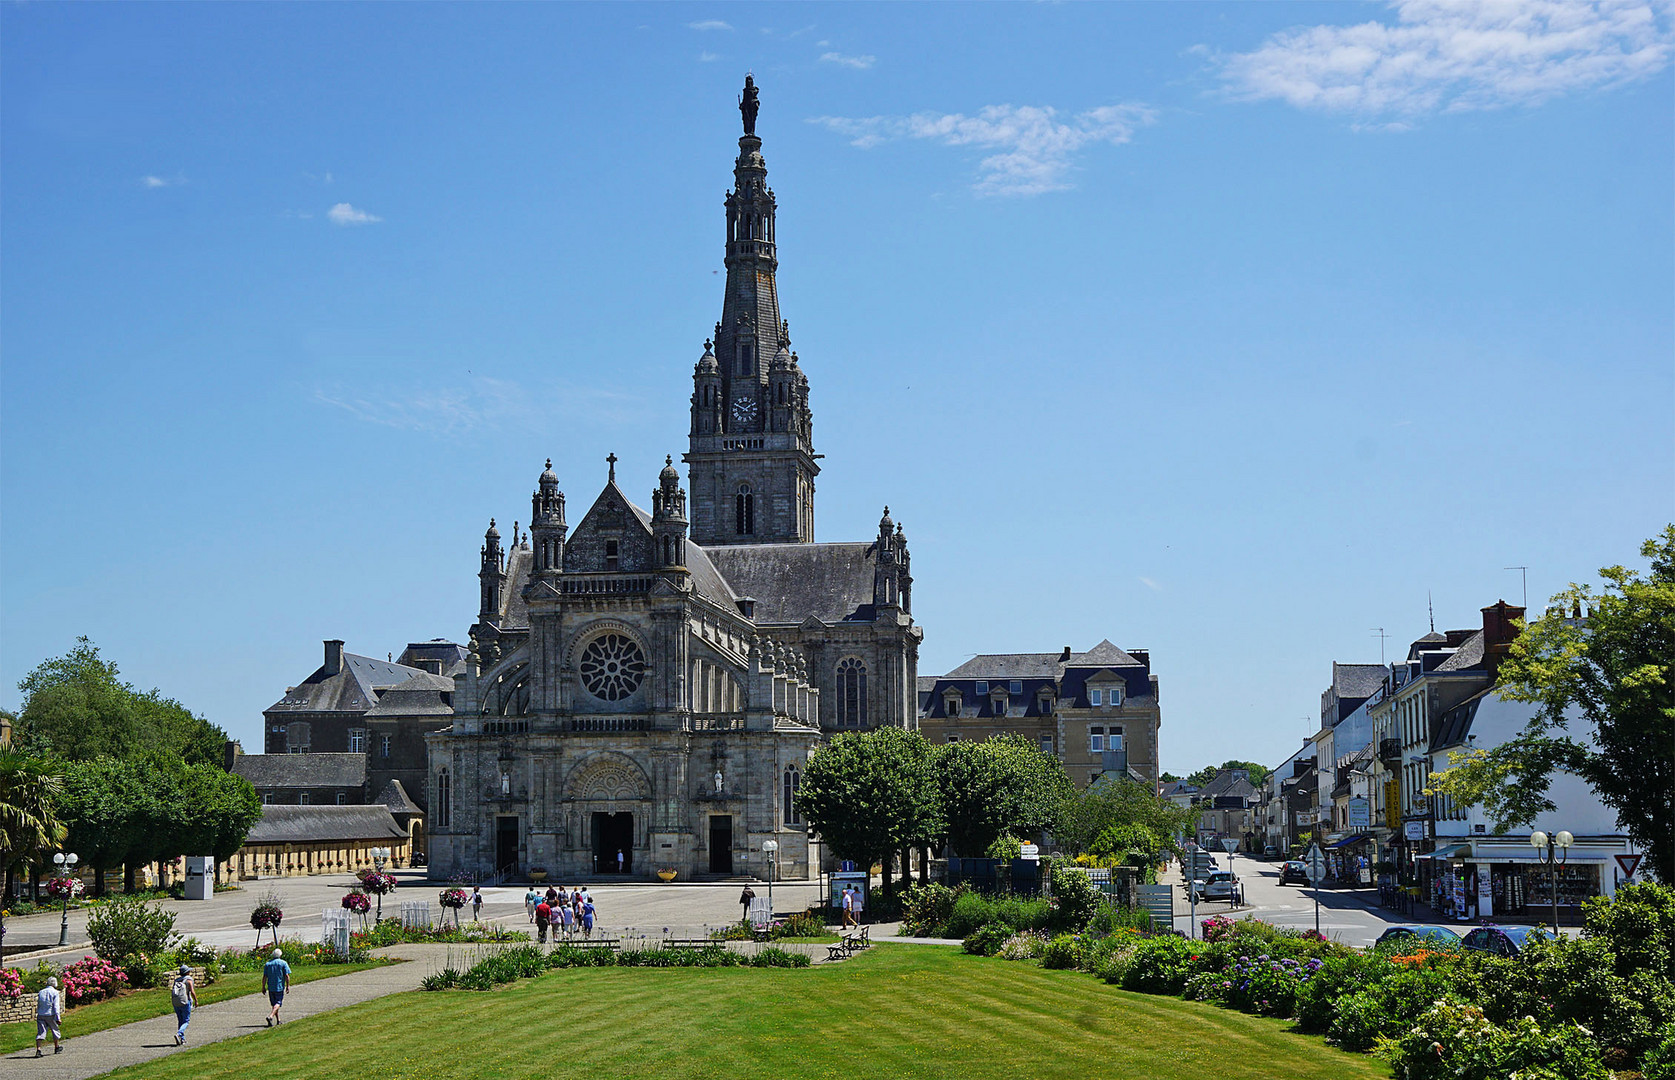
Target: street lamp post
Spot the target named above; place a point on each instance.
(1544, 852)
(380, 856)
(66, 866)
(772, 849)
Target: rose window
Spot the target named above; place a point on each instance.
(612, 666)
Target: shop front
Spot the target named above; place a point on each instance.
(1510, 883)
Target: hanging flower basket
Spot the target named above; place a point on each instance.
(454, 898)
(375, 883)
(63, 888)
(266, 917)
(357, 902)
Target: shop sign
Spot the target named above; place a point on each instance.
(1414, 830)
(1360, 814)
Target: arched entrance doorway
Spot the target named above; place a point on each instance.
(609, 798)
(613, 842)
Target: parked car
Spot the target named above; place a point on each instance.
(1217, 885)
(1294, 870)
(1270, 853)
(1420, 934)
(1503, 940)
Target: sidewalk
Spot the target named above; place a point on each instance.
(146, 1040)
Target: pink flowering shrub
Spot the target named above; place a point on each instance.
(1218, 928)
(11, 985)
(91, 979)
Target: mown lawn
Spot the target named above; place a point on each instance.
(894, 1011)
(149, 1004)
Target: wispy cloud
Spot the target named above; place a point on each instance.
(709, 24)
(1034, 149)
(321, 179)
(1444, 56)
(860, 63)
(344, 214)
(481, 403)
(162, 181)
(1150, 584)
(708, 57)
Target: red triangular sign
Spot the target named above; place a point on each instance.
(1629, 863)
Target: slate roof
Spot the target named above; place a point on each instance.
(514, 614)
(420, 695)
(394, 798)
(1227, 785)
(302, 770)
(1009, 666)
(790, 582)
(1456, 722)
(707, 580)
(1468, 655)
(1357, 680)
(353, 689)
(1104, 654)
(313, 824)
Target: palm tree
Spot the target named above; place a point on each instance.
(29, 825)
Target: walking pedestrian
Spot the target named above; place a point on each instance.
(530, 899)
(276, 979)
(745, 898)
(587, 919)
(553, 897)
(184, 994)
(476, 901)
(49, 1015)
(619, 860)
(543, 916)
(567, 917)
(848, 906)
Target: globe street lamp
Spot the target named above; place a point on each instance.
(772, 849)
(66, 866)
(380, 856)
(1562, 841)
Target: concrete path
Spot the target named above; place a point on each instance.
(132, 1044)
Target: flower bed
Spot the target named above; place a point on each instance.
(91, 979)
(527, 961)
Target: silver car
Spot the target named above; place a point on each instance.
(1217, 885)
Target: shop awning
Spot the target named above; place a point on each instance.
(1348, 840)
(1450, 851)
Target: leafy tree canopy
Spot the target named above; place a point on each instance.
(1109, 804)
(77, 707)
(871, 793)
(1258, 773)
(999, 787)
(1598, 665)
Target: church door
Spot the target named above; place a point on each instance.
(506, 845)
(721, 844)
(613, 833)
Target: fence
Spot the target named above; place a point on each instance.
(334, 929)
(415, 915)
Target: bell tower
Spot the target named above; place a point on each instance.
(751, 449)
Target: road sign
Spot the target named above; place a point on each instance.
(1229, 844)
(1629, 863)
(1314, 863)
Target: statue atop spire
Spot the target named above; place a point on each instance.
(748, 105)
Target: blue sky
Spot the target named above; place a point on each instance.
(1227, 331)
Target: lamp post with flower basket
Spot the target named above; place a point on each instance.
(63, 887)
(359, 904)
(376, 882)
(267, 916)
(455, 899)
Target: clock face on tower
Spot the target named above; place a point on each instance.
(744, 411)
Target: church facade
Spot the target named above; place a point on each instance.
(643, 690)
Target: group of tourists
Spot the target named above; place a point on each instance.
(566, 914)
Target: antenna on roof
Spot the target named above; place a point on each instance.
(1431, 608)
(1524, 574)
(1381, 635)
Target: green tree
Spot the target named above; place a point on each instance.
(1258, 773)
(77, 707)
(108, 808)
(1598, 667)
(1133, 843)
(1002, 786)
(871, 794)
(1107, 804)
(29, 825)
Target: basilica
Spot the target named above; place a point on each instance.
(642, 691)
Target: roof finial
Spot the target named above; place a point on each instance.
(610, 459)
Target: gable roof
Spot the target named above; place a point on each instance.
(1104, 654)
(606, 509)
(302, 770)
(420, 695)
(310, 824)
(395, 799)
(354, 689)
(1467, 656)
(790, 582)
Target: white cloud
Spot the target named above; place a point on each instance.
(1150, 584)
(708, 57)
(344, 214)
(860, 63)
(708, 24)
(482, 403)
(162, 181)
(1034, 150)
(1442, 55)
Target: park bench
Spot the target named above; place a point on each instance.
(840, 951)
(693, 943)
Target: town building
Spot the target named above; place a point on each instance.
(1096, 711)
(642, 692)
(1227, 806)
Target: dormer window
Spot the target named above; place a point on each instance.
(1094, 697)
(951, 703)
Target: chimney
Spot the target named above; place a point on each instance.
(1499, 632)
(1064, 657)
(334, 656)
(230, 753)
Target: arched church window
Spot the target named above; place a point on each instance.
(788, 794)
(851, 693)
(444, 799)
(744, 511)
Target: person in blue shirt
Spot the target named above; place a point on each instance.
(587, 918)
(276, 979)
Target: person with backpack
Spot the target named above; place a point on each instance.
(184, 993)
(476, 902)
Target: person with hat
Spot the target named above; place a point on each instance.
(184, 994)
